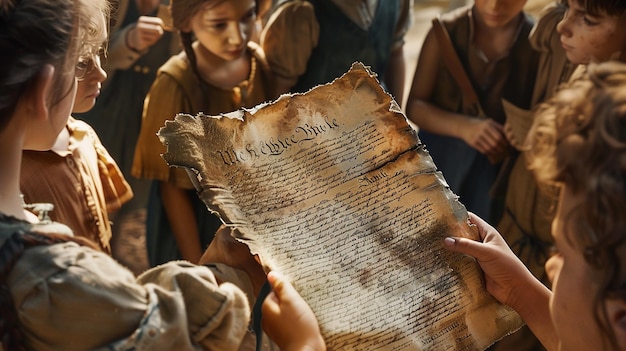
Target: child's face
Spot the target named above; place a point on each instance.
(571, 305)
(498, 13)
(225, 29)
(587, 38)
(89, 85)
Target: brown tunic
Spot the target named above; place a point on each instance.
(529, 210)
(83, 183)
(177, 89)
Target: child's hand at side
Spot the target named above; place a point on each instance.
(288, 320)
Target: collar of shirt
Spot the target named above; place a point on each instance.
(67, 142)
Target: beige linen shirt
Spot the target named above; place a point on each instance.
(70, 297)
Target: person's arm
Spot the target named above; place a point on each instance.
(174, 306)
(182, 220)
(289, 37)
(165, 99)
(288, 320)
(128, 44)
(508, 279)
(483, 134)
(395, 75)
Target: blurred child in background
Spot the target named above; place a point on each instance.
(78, 176)
(220, 70)
(569, 35)
(141, 40)
(467, 140)
(309, 43)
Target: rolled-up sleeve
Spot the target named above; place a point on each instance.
(69, 297)
(165, 99)
(217, 315)
(288, 39)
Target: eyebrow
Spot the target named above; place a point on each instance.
(223, 17)
(582, 10)
(217, 19)
(578, 8)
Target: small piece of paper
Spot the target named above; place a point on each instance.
(164, 14)
(519, 120)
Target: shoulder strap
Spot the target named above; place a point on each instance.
(257, 314)
(454, 65)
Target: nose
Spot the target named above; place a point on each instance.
(237, 34)
(100, 72)
(494, 4)
(563, 27)
(96, 73)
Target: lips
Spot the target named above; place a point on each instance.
(236, 52)
(94, 95)
(566, 47)
(493, 17)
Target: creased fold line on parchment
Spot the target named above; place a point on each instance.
(334, 189)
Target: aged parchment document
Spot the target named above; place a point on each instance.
(334, 189)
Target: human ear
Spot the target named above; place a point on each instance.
(616, 312)
(552, 268)
(621, 24)
(41, 90)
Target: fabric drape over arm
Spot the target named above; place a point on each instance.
(69, 297)
(288, 39)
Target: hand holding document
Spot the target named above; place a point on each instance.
(334, 189)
